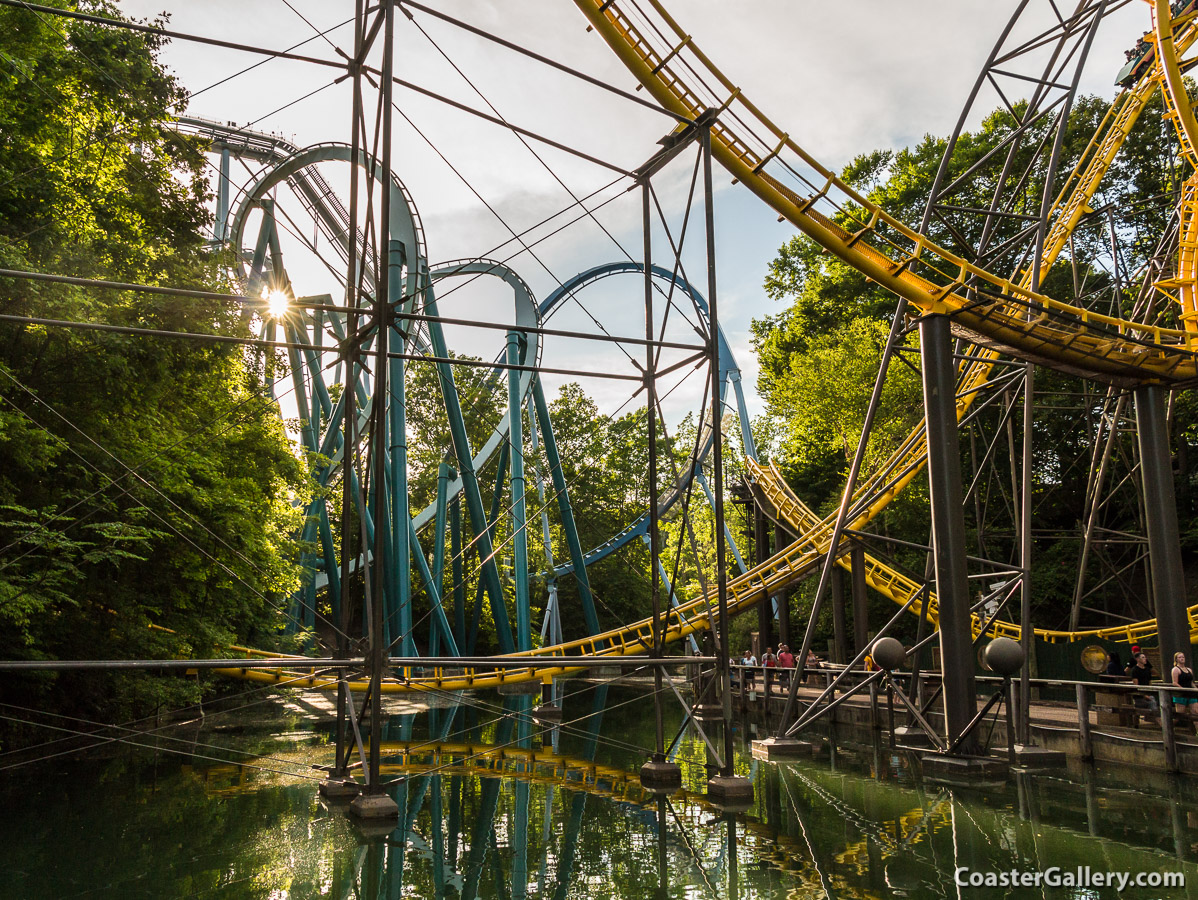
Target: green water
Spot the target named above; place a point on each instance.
(553, 813)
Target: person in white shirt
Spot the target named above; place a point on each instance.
(748, 660)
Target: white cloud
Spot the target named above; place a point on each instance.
(842, 78)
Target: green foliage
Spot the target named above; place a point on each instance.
(143, 482)
(820, 354)
(604, 462)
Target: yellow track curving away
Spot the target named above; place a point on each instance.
(683, 79)
(929, 277)
(658, 72)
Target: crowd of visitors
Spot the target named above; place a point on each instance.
(1140, 670)
(784, 659)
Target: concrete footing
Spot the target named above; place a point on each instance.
(661, 777)
(730, 792)
(374, 808)
(965, 771)
(910, 736)
(344, 789)
(707, 712)
(774, 749)
(1032, 757)
(548, 712)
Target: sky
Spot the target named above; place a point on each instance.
(842, 78)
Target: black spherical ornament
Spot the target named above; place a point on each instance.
(888, 653)
(1003, 656)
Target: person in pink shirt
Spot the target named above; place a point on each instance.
(786, 660)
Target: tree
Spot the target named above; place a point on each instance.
(145, 483)
(819, 355)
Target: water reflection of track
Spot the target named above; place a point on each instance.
(481, 820)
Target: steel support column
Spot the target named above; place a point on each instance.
(654, 524)
(783, 538)
(1023, 725)
(438, 579)
(560, 491)
(948, 528)
(349, 418)
(398, 465)
(1160, 513)
(717, 455)
(519, 508)
(761, 552)
(374, 803)
(220, 224)
(860, 599)
(840, 640)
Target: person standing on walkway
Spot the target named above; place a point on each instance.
(1183, 676)
(1115, 666)
(749, 661)
(786, 661)
(768, 662)
(1140, 671)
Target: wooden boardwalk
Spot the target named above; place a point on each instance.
(1117, 732)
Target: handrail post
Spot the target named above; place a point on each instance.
(1083, 721)
(890, 710)
(1166, 711)
(1008, 695)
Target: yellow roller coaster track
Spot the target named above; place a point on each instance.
(993, 311)
(794, 563)
(659, 76)
(1060, 335)
(898, 587)
(1168, 71)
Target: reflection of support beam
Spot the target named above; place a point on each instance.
(948, 527)
(569, 842)
(484, 822)
(518, 836)
(569, 845)
(438, 840)
(797, 808)
(1160, 511)
(547, 844)
(519, 842)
